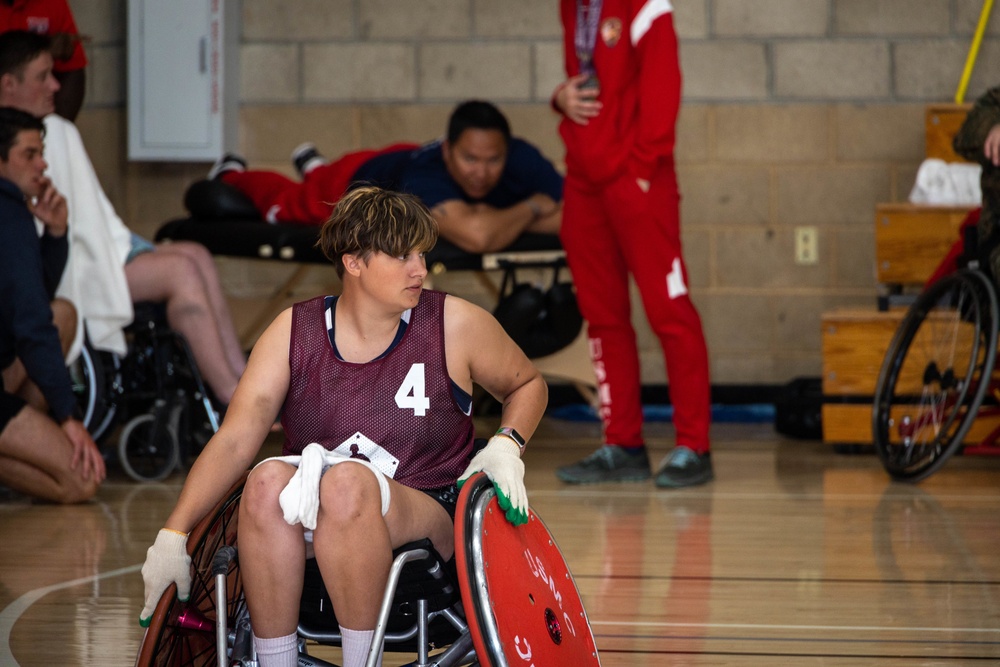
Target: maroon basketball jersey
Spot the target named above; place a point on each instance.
(396, 411)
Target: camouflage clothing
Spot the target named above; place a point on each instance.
(968, 143)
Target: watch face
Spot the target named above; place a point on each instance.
(512, 434)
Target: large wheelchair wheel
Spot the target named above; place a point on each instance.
(521, 603)
(182, 634)
(96, 377)
(935, 375)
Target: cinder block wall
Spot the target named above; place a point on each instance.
(796, 112)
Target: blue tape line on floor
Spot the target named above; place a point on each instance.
(743, 414)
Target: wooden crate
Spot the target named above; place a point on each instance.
(854, 344)
(941, 123)
(845, 423)
(912, 239)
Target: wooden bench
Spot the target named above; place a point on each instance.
(855, 342)
(912, 239)
(910, 242)
(941, 124)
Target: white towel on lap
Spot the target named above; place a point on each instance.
(94, 279)
(299, 499)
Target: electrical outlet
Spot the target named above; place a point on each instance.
(806, 245)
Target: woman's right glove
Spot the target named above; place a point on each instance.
(167, 562)
(502, 464)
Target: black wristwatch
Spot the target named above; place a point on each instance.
(515, 436)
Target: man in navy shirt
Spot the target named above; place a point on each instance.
(44, 450)
(483, 186)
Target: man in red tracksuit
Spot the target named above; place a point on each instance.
(621, 217)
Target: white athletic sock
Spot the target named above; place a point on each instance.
(277, 651)
(356, 644)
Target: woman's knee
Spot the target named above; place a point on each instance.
(349, 491)
(263, 487)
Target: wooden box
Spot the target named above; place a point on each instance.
(912, 239)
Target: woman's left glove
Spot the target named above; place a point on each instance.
(501, 463)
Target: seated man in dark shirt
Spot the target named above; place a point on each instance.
(49, 457)
(978, 140)
(483, 186)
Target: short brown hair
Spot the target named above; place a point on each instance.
(370, 219)
(18, 48)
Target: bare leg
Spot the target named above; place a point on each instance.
(15, 377)
(354, 542)
(173, 278)
(35, 457)
(202, 259)
(64, 317)
(272, 553)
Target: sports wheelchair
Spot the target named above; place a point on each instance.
(155, 391)
(938, 377)
(515, 600)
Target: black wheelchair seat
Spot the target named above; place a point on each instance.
(425, 580)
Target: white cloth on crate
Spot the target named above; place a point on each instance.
(94, 279)
(947, 183)
(299, 499)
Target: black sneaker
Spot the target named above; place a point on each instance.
(226, 163)
(305, 157)
(610, 463)
(683, 467)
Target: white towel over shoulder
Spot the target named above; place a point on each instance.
(99, 242)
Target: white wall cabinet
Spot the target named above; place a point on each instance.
(183, 74)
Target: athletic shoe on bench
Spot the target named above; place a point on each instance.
(684, 467)
(305, 157)
(226, 163)
(610, 463)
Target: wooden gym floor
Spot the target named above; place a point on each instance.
(795, 555)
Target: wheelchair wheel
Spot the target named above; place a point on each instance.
(95, 375)
(182, 634)
(935, 374)
(521, 603)
(148, 448)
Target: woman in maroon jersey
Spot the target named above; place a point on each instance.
(380, 377)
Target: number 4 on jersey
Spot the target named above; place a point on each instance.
(411, 394)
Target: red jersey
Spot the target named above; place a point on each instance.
(636, 62)
(46, 17)
(397, 411)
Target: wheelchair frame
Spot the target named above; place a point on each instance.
(155, 390)
(936, 375)
(185, 633)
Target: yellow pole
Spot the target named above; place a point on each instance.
(970, 60)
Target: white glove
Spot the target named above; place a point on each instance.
(167, 562)
(501, 463)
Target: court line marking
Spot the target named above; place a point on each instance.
(749, 495)
(764, 626)
(13, 611)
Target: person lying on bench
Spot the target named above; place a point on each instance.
(483, 186)
(109, 266)
(380, 377)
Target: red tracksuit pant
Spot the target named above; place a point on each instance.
(610, 231)
(309, 202)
